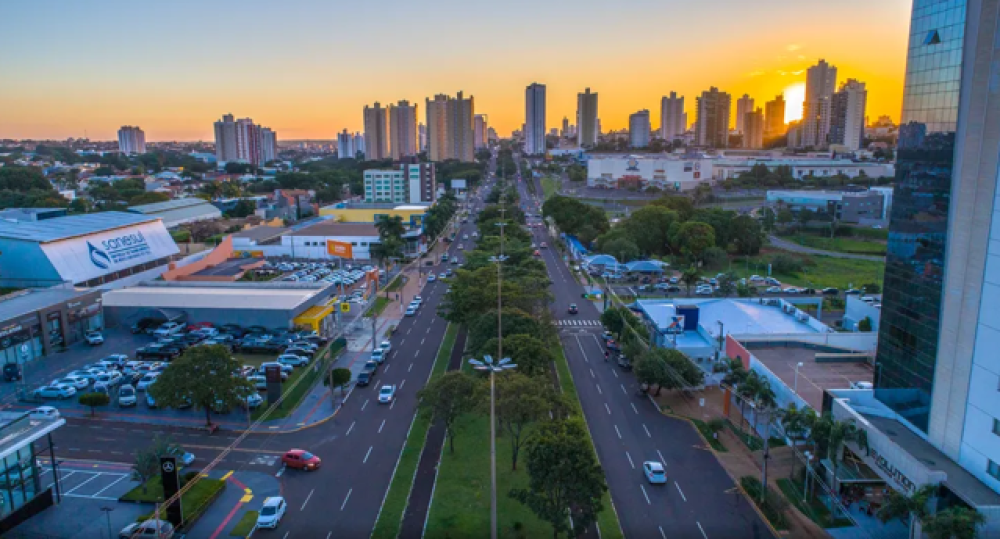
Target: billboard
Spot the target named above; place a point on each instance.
(458, 184)
(95, 255)
(342, 249)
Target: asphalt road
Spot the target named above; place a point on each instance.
(699, 499)
(796, 248)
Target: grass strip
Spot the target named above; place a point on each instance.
(391, 516)
(773, 506)
(376, 309)
(812, 508)
(708, 434)
(194, 502)
(245, 525)
(310, 374)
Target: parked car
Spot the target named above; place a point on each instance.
(773, 290)
(146, 325)
(168, 329)
(830, 291)
(55, 391)
(301, 459)
(12, 372)
(364, 378)
(271, 513)
(93, 338)
(146, 381)
(253, 401)
(75, 381)
(148, 529)
(285, 369)
(293, 360)
(623, 362)
(44, 412)
(378, 356)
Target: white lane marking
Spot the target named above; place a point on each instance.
(662, 460)
(380, 426)
(303, 508)
(408, 369)
(408, 331)
(393, 403)
(402, 342)
(367, 455)
(623, 389)
(363, 405)
(592, 373)
(348, 497)
(614, 372)
(280, 472)
(676, 484)
(329, 535)
(634, 409)
(663, 535)
(349, 429)
(646, 495)
(606, 408)
(286, 535)
(428, 330)
(84, 483)
(619, 432)
(111, 485)
(417, 354)
(702, 530)
(401, 384)
(422, 341)
(386, 369)
(647, 431)
(632, 464)
(599, 389)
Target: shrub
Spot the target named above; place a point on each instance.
(715, 258)
(785, 264)
(774, 505)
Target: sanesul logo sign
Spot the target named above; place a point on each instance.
(87, 257)
(118, 249)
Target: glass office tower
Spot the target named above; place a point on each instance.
(918, 230)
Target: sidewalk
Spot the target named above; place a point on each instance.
(739, 461)
(245, 491)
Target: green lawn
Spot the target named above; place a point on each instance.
(707, 433)
(813, 509)
(818, 271)
(840, 245)
(245, 525)
(391, 515)
(195, 501)
(381, 303)
(549, 187)
(396, 284)
(294, 393)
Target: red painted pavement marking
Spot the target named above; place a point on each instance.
(232, 513)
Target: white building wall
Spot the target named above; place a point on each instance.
(665, 174)
(315, 246)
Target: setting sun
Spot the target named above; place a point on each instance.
(795, 95)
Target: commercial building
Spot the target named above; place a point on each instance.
(587, 127)
(723, 169)
(412, 214)
(38, 322)
(403, 130)
(84, 250)
(179, 211)
(639, 129)
(131, 140)
(27, 489)
(753, 129)
(278, 305)
(821, 81)
(450, 128)
(673, 119)
(410, 183)
(638, 172)
(711, 128)
(244, 141)
(359, 143)
(480, 131)
(774, 117)
(847, 116)
(744, 106)
(534, 119)
(376, 122)
(345, 145)
(844, 206)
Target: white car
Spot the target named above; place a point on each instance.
(793, 290)
(271, 513)
(431, 277)
(387, 394)
(94, 337)
(704, 291)
(112, 361)
(293, 360)
(108, 379)
(253, 401)
(44, 412)
(127, 396)
(89, 375)
(146, 381)
(168, 329)
(411, 311)
(773, 290)
(385, 346)
(55, 391)
(75, 381)
(654, 472)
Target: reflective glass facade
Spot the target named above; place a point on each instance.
(918, 230)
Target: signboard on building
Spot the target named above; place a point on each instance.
(248, 254)
(95, 255)
(458, 184)
(342, 249)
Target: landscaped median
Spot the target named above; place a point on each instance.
(302, 380)
(391, 515)
(194, 502)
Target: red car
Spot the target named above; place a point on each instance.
(301, 459)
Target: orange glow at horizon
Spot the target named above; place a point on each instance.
(795, 95)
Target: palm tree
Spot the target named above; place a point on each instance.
(954, 523)
(829, 434)
(797, 422)
(907, 509)
(735, 376)
(690, 277)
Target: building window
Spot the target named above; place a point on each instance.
(993, 469)
(996, 427)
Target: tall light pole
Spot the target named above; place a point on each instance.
(795, 386)
(487, 365)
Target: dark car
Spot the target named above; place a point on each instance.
(371, 366)
(12, 372)
(146, 325)
(234, 330)
(623, 362)
(852, 292)
(364, 378)
(157, 353)
(572, 309)
(809, 291)
(830, 291)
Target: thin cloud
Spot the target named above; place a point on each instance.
(793, 47)
(755, 73)
(799, 72)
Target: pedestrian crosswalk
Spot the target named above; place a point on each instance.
(576, 322)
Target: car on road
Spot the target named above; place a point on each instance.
(364, 378)
(378, 356)
(411, 311)
(852, 292)
(93, 338)
(371, 366)
(148, 529)
(623, 362)
(301, 459)
(830, 291)
(793, 290)
(461, 247)
(544, 245)
(572, 309)
(773, 290)
(271, 513)
(538, 253)
(654, 472)
(44, 412)
(55, 391)
(431, 277)
(387, 394)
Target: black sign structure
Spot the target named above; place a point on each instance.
(273, 375)
(171, 484)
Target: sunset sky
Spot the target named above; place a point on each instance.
(307, 67)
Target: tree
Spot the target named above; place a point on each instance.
(785, 216)
(623, 249)
(796, 422)
(694, 238)
(531, 355)
(908, 509)
(648, 228)
(243, 208)
(202, 376)
(829, 434)
(690, 277)
(865, 324)
(522, 401)
(151, 197)
(564, 475)
(147, 460)
(747, 235)
(954, 523)
(94, 399)
(448, 398)
(727, 284)
(769, 219)
(338, 378)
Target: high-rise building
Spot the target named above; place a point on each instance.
(450, 126)
(821, 81)
(753, 129)
(936, 365)
(422, 135)
(244, 141)
(847, 115)
(481, 137)
(565, 127)
(410, 183)
(587, 124)
(774, 117)
(345, 145)
(638, 129)
(376, 121)
(402, 129)
(712, 123)
(744, 105)
(491, 134)
(534, 119)
(131, 140)
(673, 119)
(359, 144)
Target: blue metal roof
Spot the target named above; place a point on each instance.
(60, 228)
(177, 203)
(646, 265)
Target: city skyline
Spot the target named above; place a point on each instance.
(306, 91)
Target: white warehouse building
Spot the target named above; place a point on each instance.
(633, 171)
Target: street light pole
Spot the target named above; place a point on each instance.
(487, 365)
(795, 386)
